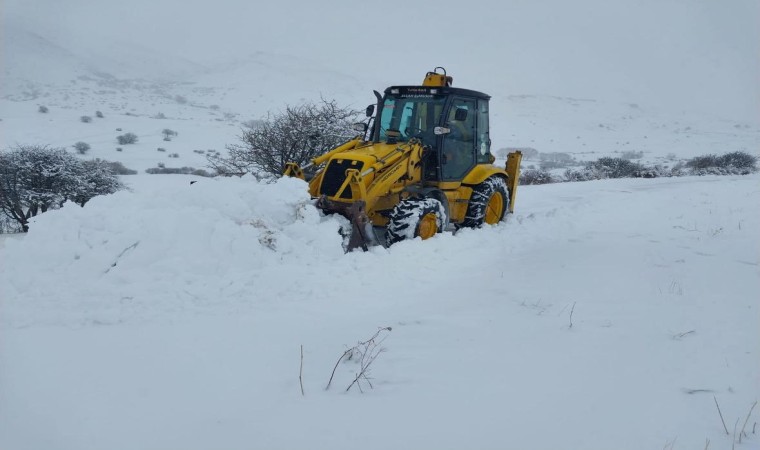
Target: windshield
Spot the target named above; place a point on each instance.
(411, 117)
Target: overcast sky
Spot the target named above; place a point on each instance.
(681, 54)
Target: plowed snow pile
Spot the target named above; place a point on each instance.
(198, 241)
(601, 315)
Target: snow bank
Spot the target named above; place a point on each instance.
(124, 250)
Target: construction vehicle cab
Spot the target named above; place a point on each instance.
(451, 122)
(423, 162)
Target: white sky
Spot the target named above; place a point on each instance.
(681, 54)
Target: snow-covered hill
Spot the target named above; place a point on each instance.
(144, 89)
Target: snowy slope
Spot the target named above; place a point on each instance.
(174, 320)
(141, 89)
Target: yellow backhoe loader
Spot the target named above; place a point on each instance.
(423, 162)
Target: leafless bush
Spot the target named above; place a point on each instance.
(297, 134)
(168, 134)
(734, 163)
(118, 168)
(127, 138)
(536, 176)
(35, 179)
(81, 147)
(364, 353)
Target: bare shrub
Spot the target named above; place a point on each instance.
(127, 138)
(615, 168)
(536, 176)
(702, 162)
(81, 147)
(739, 160)
(168, 134)
(364, 353)
(118, 168)
(35, 179)
(734, 163)
(296, 135)
(585, 174)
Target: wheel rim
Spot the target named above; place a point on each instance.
(495, 208)
(428, 226)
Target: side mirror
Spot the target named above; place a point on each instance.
(460, 115)
(370, 110)
(441, 130)
(360, 127)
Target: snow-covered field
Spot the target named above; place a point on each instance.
(601, 315)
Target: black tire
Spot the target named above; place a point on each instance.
(483, 195)
(408, 215)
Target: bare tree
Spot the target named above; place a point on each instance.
(168, 134)
(295, 135)
(34, 179)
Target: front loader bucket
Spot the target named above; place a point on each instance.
(362, 233)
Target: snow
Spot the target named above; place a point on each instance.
(604, 314)
(191, 339)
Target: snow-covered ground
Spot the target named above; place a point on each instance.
(601, 315)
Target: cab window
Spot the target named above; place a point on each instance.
(458, 155)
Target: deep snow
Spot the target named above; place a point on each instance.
(172, 317)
